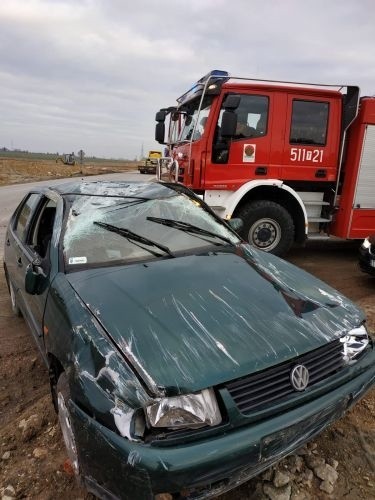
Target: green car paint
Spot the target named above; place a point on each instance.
(129, 334)
(225, 311)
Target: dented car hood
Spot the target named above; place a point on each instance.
(200, 320)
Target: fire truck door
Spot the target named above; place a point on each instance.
(233, 162)
(310, 150)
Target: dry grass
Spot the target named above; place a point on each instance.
(15, 171)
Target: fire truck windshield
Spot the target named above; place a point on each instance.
(195, 119)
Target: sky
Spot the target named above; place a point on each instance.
(91, 74)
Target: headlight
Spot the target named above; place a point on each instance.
(369, 241)
(355, 341)
(190, 410)
(366, 244)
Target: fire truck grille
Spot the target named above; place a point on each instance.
(258, 391)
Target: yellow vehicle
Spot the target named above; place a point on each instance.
(150, 163)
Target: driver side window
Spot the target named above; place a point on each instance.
(252, 116)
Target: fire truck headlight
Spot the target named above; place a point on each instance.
(366, 244)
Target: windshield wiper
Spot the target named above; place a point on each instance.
(134, 237)
(188, 228)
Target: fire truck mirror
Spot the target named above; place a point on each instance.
(228, 124)
(160, 116)
(232, 102)
(160, 132)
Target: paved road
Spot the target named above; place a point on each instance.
(10, 196)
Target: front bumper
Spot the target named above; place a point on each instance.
(113, 467)
(147, 170)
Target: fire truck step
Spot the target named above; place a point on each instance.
(318, 219)
(314, 202)
(318, 236)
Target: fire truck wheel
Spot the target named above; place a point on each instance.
(268, 226)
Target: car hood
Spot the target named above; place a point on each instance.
(201, 320)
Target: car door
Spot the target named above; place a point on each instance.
(14, 244)
(36, 249)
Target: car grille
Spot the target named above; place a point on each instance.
(257, 391)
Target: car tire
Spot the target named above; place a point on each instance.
(13, 300)
(63, 397)
(268, 226)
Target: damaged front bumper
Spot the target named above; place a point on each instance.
(113, 467)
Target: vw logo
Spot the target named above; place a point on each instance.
(299, 377)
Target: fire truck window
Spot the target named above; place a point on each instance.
(309, 122)
(195, 119)
(252, 114)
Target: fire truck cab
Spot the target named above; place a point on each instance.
(288, 159)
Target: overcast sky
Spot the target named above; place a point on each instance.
(91, 74)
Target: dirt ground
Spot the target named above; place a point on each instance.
(32, 456)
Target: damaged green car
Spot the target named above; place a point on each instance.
(182, 361)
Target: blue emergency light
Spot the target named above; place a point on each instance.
(197, 89)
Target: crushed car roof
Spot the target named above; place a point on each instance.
(110, 188)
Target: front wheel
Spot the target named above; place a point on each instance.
(63, 397)
(267, 226)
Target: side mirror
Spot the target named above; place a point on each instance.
(35, 279)
(236, 224)
(160, 116)
(232, 102)
(160, 132)
(228, 124)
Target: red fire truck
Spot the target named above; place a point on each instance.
(289, 159)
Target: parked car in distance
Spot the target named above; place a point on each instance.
(367, 255)
(182, 361)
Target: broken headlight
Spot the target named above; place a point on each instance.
(185, 411)
(355, 341)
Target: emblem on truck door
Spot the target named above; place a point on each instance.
(248, 155)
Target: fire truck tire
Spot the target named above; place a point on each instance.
(267, 226)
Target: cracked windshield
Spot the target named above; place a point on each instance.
(105, 229)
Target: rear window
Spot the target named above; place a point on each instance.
(24, 215)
